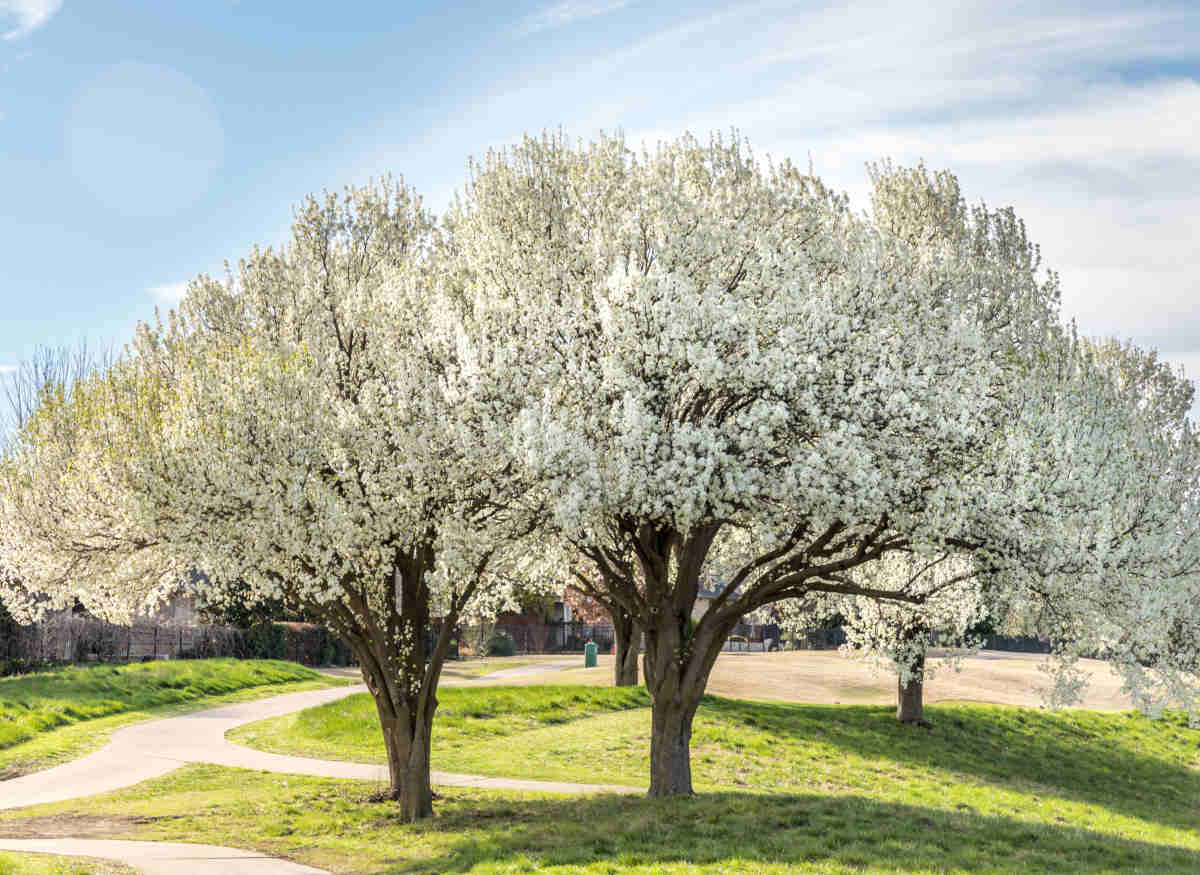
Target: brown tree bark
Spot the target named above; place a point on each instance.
(670, 747)
(407, 744)
(680, 654)
(402, 675)
(626, 649)
(676, 688)
(910, 703)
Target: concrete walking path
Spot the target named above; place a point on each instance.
(149, 750)
(165, 858)
(537, 668)
(500, 675)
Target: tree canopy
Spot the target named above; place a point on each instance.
(687, 368)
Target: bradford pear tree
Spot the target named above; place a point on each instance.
(716, 359)
(301, 432)
(1120, 575)
(895, 635)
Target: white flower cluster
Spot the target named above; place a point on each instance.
(294, 431)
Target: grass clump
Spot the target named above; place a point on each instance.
(37, 703)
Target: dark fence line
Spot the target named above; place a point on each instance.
(562, 636)
(1017, 643)
(820, 639)
(833, 637)
(62, 640)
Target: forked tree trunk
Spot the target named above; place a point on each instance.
(680, 653)
(910, 704)
(391, 650)
(407, 744)
(626, 649)
(407, 730)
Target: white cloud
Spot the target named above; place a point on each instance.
(1085, 123)
(169, 294)
(8, 369)
(568, 12)
(29, 15)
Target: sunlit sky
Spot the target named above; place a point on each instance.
(144, 143)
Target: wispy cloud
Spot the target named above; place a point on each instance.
(1083, 123)
(29, 15)
(7, 369)
(568, 12)
(169, 294)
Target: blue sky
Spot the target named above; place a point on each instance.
(143, 143)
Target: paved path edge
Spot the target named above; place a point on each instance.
(165, 858)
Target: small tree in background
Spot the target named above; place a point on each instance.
(895, 635)
(478, 634)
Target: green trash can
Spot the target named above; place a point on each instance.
(589, 655)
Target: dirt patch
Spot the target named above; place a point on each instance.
(75, 826)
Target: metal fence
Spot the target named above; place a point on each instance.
(820, 639)
(564, 636)
(1017, 643)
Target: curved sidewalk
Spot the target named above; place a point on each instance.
(165, 858)
(148, 750)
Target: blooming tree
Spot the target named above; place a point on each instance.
(895, 634)
(1115, 568)
(301, 433)
(710, 359)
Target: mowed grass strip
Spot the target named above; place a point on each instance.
(335, 825)
(1117, 774)
(49, 717)
(52, 864)
(468, 719)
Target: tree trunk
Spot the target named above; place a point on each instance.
(670, 747)
(910, 707)
(394, 656)
(407, 730)
(676, 675)
(407, 743)
(626, 648)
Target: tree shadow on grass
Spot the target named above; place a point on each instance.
(740, 833)
(1098, 758)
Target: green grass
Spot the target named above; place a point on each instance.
(51, 864)
(1117, 774)
(50, 717)
(333, 824)
(468, 719)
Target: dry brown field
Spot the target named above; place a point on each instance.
(828, 677)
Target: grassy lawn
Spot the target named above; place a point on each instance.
(333, 825)
(469, 721)
(1115, 774)
(52, 864)
(51, 717)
